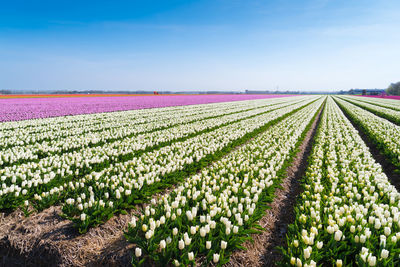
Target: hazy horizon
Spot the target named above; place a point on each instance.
(315, 45)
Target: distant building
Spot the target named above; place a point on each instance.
(366, 91)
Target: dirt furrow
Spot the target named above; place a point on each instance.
(389, 169)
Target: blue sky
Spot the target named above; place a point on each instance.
(199, 45)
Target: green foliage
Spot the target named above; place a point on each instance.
(393, 89)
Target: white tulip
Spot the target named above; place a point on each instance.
(191, 256)
(223, 244)
(384, 254)
(175, 231)
(163, 244)
(138, 252)
(215, 258)
(372, 260)
(306, 253)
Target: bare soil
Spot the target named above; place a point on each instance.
(46, 239)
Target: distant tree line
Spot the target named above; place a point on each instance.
(5, 92)
(393, 89)
(357, 91)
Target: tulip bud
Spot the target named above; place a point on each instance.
(372, 260)
(387, 231)
(223, 244)
(215, 258)
(384, 254)
(181, 244)
(163, 244)
(203, 232)
(138, 252)
(191, 256)
(193, 230)
(338, 235)
(228, 231)
(306, 253)
(149, 234)
(133, 222)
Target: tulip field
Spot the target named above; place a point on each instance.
(187, 180)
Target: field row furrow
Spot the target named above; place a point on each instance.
(134, 181)
(385, 134)
(387, 113)
(382, 102)
(212, 213)
(348, 213)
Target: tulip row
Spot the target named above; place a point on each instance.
(30, 180)
(55, 128)
(16, 109)
(348, 213)
(22, 182)
(387, 113)
(123, 129)
(385, 134)
(386, 103)
(98, 195)
(213, 212)
(69, 121)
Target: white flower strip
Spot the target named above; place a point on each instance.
(348, 213)
(393, 115)
(52, 172)
(31, 145)
(386, 103)
(31, 131)
(385, 133)
(152, 138)
(211, 212)
(123, 183)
